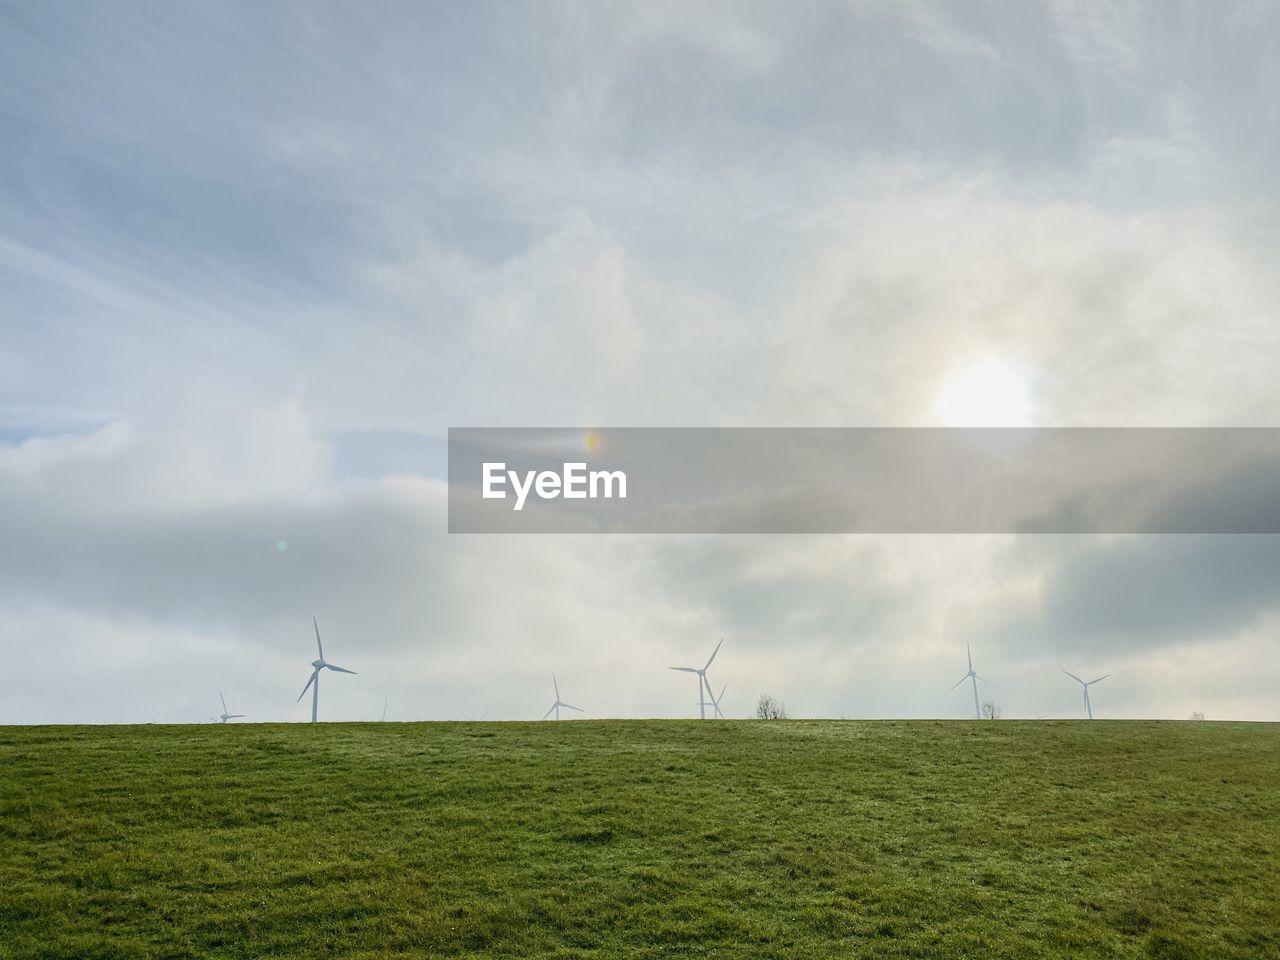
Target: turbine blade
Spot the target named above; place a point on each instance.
(985, 680)
(235, 716)
(548, 713)
(969, 653)
(1100, 679)
(687, 669)
(714, 652)
(556, 685)
(224, 701)
(318, 644)
(1073, 676)
(339, 669)
(960, 681)
(314, 673)
(570, 706)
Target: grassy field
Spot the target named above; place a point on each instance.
(642, 839)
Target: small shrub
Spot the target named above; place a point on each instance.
(769, 708)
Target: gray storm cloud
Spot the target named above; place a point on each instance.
(1155, 593)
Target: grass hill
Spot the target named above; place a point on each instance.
(642, 839)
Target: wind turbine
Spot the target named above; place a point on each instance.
(977, 711)
(704, 685)
(384, 709)
(715, 701)
(557, 705)
(1087, 705)
(317, 665)
(224, 716)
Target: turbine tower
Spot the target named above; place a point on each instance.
(317, 665)
(1087, 705)
(557, 705)
(704, 685)
(224, 716)
(715, 701)
(971, 676)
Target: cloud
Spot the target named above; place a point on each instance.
(110, 544)
(1129, 594)
(245, 250)
(176, 595)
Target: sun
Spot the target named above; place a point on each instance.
(990, 393)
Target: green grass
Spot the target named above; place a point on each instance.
(642, 839)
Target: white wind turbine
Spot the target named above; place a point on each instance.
(317, 665)
(704, 685)
(715, 701)
(977, 711)
(557, 705)
(1087, 705)
(224, 716)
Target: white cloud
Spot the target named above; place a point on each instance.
(229, 235)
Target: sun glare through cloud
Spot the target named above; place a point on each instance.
(990, 393)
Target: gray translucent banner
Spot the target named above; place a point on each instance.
(864, 480)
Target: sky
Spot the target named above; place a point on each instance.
(256, 259)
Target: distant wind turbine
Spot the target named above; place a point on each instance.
(224, 716)
(704, 685)
(715, 701)
(977, 711)
(1087, 705)
(317, 665)
(557, 705)
(384, 709)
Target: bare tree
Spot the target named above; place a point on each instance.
(1198, 715)
(768, 708)
(990, 711)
